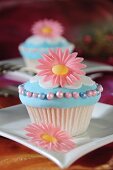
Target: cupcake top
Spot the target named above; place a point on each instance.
(60, 83)
(46, 34)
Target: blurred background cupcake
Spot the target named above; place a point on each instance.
(47, 34)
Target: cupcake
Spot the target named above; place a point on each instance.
(60, 93)
(46, 35)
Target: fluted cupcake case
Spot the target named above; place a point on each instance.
(73, 120)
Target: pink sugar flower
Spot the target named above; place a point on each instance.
(60, 68)
(49, 137)
(47, 28)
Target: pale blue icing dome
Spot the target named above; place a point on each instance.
(35, 46)
(56, 102)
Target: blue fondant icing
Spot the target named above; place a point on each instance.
(56, 102)
(27, 49)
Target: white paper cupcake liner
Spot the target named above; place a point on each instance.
(73, 120)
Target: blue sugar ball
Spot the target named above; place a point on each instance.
(83, 95)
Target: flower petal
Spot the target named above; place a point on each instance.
(79, 59)
(69, 80)
(48, 57)
(76, 85)
(34, 79)
(47, 84)
(87, 81)
(44, 72)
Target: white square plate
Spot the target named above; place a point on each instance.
(14, 119)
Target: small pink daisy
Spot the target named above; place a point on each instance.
(47, 28)
(60, 68)
(49, 137)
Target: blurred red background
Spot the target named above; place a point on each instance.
(17, 17)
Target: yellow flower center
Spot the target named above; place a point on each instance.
(46, 30)
(60, 69)
(49, 138)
